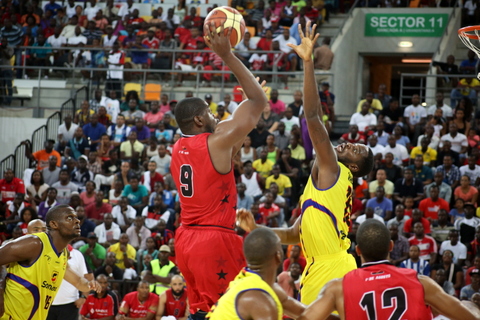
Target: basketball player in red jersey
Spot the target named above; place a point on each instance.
(208, 252)
(379, 290)
(173, 302)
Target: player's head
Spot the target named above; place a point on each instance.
(103, 281)
(357, 157)
(373, 239)
(193, 116)
(36, 226)
(63, 219)
(262, 248)
(143, 289)
(178, 285)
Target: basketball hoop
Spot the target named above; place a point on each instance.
(470, 37)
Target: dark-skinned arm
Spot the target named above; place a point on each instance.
(330, 299)
(152, 278)
(265, 307)
(291, 307)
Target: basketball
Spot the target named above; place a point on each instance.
(230, 18)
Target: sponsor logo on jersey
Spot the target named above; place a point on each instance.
(54, 276)
(48, 286)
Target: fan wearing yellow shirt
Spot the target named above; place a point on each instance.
(375, 104)
(253, 294)
(283, 182)
(263, 166)
(38, 263)
(125, 253)
(327, 198)
(429, 154)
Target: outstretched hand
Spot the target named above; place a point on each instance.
(263, 84)
(245, 220)
(308, 40)
(95, 286)
(219, 42)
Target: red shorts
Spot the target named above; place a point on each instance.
(209, 258)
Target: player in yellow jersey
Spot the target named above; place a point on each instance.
(253, 294)
(327, 199)
(37, 266)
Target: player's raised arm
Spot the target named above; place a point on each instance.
(246, 116)
(326, 158)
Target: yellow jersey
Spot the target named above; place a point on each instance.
(31, 289)
(226, 307)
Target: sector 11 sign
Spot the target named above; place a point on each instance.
(405, 25)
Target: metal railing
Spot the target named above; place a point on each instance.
(53, 122)
(7, 163)
(21, 161)
(68, 107)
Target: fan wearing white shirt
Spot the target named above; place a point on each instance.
(290, 120)
(229, 105)
(108, 232)
(374, 146)
(92, 10)
(400, 153)
(369, 214)
(283, 40)
(447, 110)
(124, 214)
(415, 115)
(459, 141)
(364, 120)
(57, 40)
(458, 249)
(472, 170)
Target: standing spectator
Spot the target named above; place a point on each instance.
(415, 116)
(64, 187)
(400, 251)
(10, 186)
(430, 206)
(100, 305)
(381, 205)
(399, 152)
(426, 244)
(374, 104)
(458, 249)
(42, 156)
(364, 120)
(139, 304)
(14, 36)
(93, 252)
(115, 63)
(450, 172)
(415, 262)
(467, 225)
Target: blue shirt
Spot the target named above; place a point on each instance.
(403, 141)
(143, 134)
(42, 51)
(421, 266)
(140, 56)
(424, 174)
(94, 132)
(134, 197)
(380, 208)
(87, 227)
(52, 7)
(245, 203)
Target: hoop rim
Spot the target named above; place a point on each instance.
(463, 31)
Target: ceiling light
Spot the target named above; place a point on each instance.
(405, 44)
(417, 60)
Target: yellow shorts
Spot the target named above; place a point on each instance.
(320, 270)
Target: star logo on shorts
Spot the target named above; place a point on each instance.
(225, 199)
(221, 275)
(221, 262)
(224, 187)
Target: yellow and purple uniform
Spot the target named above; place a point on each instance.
(324, 228)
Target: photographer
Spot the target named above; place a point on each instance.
(6, 73)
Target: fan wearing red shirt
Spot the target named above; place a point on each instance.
(10, 186)
(98, 208)
(416, 217)
(431, 206)
(150, 177)
(183, 33)
(265, 44)
(150, 41)
(269, 211)
(295, 257)
(197, 21)
(139, 304)
(173, 302)
(100, 305)
(426, 244)
(353, 136)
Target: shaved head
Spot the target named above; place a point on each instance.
(36, 226)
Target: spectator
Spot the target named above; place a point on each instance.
(442, 227)
(381, 182)
(283, 182)
(102, 305)
(167, 195)
(110, 269)
(430, 206)
(374, 105)
(472, 170)
(297, 103)
(381, 134)
(64, 187)
(81, 175)
(118, 133)
(124, 175)
(400, 218)
(408, 186)
(415, 116)
(441, 280)
(66, 132)
(115, 63)
(473, 248)
(143, 133)
(421, 171)
(433, 139)
(154, 117)
(9, 186)
(467, 225)
(97, 209)
(327, 100)
(137, 194)
(392, 171)
(458, 140)
(289, 120)
(123, 214)
(93, 252)
(78, 146)
(139, 304)
(230, 106)
(243, 200)
(108, 232)
(173, 302)
(415, 262)
(398, 151)
(163, 160)
(159, 273)
(268, 211)
(259, 134)
(369, 214)
(364, 120)
(458, 211)
(42, 156)
(49, 202)
(381, 205)
(132, 148)
(138, 235)
(353, 136)
(454, 272)
(125, 253)
(466, 191)
(384, 98)
(445, 191)
(429, 155)
(400, 251)
(439, 104)
(161, 234)
(252, 180)
(469, 290)
(458, 249)
(447, 150)
(392, 115)
(263, 165)
(426, 244)
(295, 257)
(468, 66)
(450, 172)
(323, 56)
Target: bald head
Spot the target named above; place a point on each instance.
(36, 226)
(260, 246)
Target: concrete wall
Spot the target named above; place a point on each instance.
(14, 129)
(352, 45)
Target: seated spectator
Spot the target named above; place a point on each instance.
(431, 205)
(466, 88)
(458, 211)
(295, 257)
(374, 105)
(132, 148)
(139, 304)
(108, 232)
(124, 175)
(153, 214)
(40, 57)
(381, 205)
(88, 196)
(446, 150)
(369, 214)
(263, 165)
(138, 235)
(468, 291)
(416, 217)
(458, 249)
(151, 177)
(64, 187)
(393, 171)
(399, 218)
(352, 136)
(433, 139)
(163, 160)
(392, 115)
(458, 140)
(109, 269)
(445, 191)
(283, 182)
(86, 226)
(81, 175)
(100, 305)
(451, 173)
(51, 173)
(110, 167)
(415, 262)
(118, 133)
(381, 134)
(42, 156)
(399, 152)
(415, 116)
(428, 154)
(150, 250)
(466, 191)
(173, 303)
(161, 234)
(259, 134)
(93, 252)
(167, 195)
(421, 171)
(473, 248)
(123, 214)
(472, 170)
(252, 180)
(400, 251)
(467, 225)
(456, 275)
(133, 112)
(364, 120)
(426, 244)
(268, 211)
(442, 227)
(375, 146)
(381, 182)
(408, 186)
(125, 253)
(50, 201)
(160, 272)
(243, 200)
(37, 188)
(78, 146)
(93, 131)
(94, 163)
(137, 194)
(27, 215)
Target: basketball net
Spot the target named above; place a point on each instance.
(470, 37)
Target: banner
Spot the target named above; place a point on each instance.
(405, 25)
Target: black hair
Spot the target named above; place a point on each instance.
(186, 110)
(260, 245)
(365, 165)
(373, 239)
(41, 177)
(56, 213)
(33, 212)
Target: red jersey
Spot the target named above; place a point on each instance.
(134, 309)
(152, 44)
(175, 307)
(97, 308)
(426, 245)
(408, 226)
(8, 190)
(382, 291)
(265, 212)
(206, 196)
(430, 209)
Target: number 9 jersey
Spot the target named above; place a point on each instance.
(379, 290)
